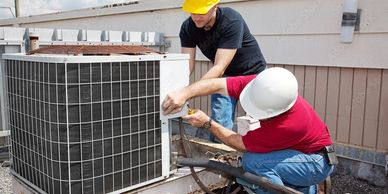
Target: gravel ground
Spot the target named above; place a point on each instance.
(341, 184)
(5, 180)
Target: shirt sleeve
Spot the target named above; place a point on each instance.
(186, 40)
(235, 85)
(232, 35)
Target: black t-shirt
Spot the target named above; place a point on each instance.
(229, 32)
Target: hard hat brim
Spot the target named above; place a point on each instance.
(197, 11)
(252, 110)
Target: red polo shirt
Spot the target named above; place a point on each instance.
(300, 128)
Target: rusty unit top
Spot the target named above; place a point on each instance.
(95, 50)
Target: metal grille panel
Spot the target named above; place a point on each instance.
(85, 127)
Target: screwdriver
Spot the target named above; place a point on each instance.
(190, 111)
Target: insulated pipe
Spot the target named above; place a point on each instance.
(237, 172)
(187, 153)
(17, 8)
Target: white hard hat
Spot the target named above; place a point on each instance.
(273, 92)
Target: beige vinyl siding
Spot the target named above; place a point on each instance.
(300, 75)
(321, 91)
(344, 105)
(351, 101)
(331, 116)
(382, 132)
(347, 84)
(372, 107)
(358, 106)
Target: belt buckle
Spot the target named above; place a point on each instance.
(329, 154)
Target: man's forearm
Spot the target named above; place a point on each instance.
(221, 62)
(214, 72)
(206, 87)
(228, 137)
(174, 101)
(191, 52)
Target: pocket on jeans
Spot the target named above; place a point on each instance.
(320, 165)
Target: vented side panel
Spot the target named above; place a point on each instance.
(85, 128)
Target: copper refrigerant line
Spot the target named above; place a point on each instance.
(224, 167)
(187, 154)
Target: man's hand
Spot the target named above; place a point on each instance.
(173, 102)
(197, 119)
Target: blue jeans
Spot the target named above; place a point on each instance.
(222, 111)
(287, 167)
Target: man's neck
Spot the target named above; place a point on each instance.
(212, 21)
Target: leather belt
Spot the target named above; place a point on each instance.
(326, 149)
(329, 153)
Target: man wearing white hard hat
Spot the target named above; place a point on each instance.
(224, 38)
(292, 147)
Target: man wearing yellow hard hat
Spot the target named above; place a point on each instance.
(224, 38)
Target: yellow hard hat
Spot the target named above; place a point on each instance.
(198, 6)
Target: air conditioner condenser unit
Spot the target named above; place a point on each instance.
(91, 124)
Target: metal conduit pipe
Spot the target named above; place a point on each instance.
(230, 170)
(361, 161)
(237, 172)
(187, 153)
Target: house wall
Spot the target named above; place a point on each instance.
(349, 100)
(286, 30)
(346, 83)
